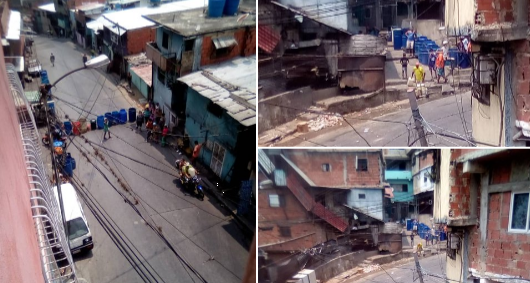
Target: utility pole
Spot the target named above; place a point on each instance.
(416, 116)
(418, 267)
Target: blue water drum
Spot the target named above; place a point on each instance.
(404, 41)
(57, 144)
(409, 224)
(424, 56)
(464, 61)
(216, 8)
(108, 115)
(132, 115)
(453, 53)
(69, 157)
(68, 167)
(123, 116)
(423, 38)
(115, 117)
(231, 7)
(68, 127)
(51, 106)
(100, 122)
(397, 39)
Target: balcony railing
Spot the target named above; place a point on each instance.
(58, 265)
(166, 62)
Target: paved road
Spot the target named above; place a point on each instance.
(201, 232)
(404, 273)
(443, 115)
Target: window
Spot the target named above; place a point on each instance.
(165, 40)
(162, 76)
(519, 220)
(276, 200)
(362, 196)
(404, 188)
(362, 164)
(188, 45)
(218, 157)
(326, 167)
(285, 231)
(221, 52)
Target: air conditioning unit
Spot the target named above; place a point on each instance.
(487, 71)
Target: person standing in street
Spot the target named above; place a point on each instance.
(432, 64)
(440, 67)
(404, 62)
(139, 121)
(85, 59)
(418, 73)
(412, 239)
(410, 41)
(196, 151)
(52, 59)
(106, 128)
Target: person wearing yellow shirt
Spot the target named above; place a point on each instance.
(419, 249)
(419, 73)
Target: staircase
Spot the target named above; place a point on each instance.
(310, 205)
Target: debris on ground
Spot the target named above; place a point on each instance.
(370, 268)
(324, 121)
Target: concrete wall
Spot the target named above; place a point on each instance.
(442, 189)
(459, 15)
(341, 264)
(372, 203)
(140, 84)
(341, 21)
(162, 94)
(486, 119)
(175, 42)
(201, 125)
(422, 181)
(428, 28)
(271, 116)
(343, 171)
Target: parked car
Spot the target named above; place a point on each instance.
(34, 68)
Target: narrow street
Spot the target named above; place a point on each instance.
(201, 234)
(443, 115)
(406, 273)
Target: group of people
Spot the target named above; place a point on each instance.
(436, 63)
(155, 123)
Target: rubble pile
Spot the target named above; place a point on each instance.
(324, 121)
(370, 268)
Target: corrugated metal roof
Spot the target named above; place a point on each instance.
(224, 42)
(240, 104)
(48, 7)
(265, 162)
(130, 19)
(268, 38)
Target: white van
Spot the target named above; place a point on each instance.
(79, 236)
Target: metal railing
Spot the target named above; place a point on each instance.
(56, 258)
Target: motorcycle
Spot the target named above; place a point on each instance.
(56, 136)
(190, 184)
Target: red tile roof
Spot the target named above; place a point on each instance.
(267, 38)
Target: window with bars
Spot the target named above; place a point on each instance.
(218, 156)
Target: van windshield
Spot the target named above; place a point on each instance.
(76, 228)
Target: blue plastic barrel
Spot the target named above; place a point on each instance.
(68, 127)
(216, 8)
(396, 34)
(464, 60)
(409, 224)
(115, 117)
(51, 106)
(132, 115)
(231, 7)
(108, 115)
(443, 236)
(100, 122)
(68, 167)
(69, 158)
(58, 144)
(423, 38)
(123, 116)
(73, 163)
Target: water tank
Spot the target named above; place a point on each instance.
(68, 127)
(123, 116)
(396, 34)
(231, 7)
(216, 8)
(132, 115)
(108, 116)
(115, 117)
(100, 122)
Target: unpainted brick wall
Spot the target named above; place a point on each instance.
(311, 164)
(459, 199)
(293, 215)
(522, 83)
(494, 11)
(246, 46)
(136, 39)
